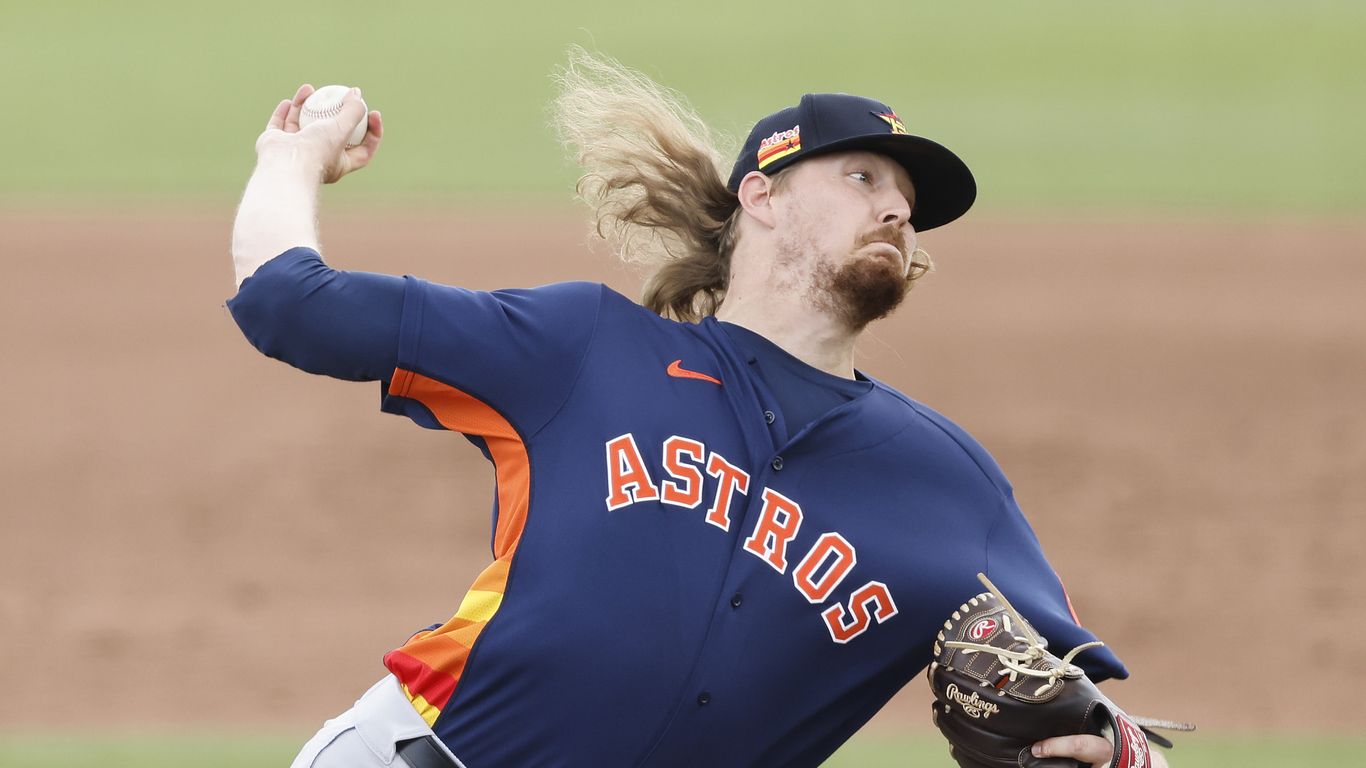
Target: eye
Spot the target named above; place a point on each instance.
(862, 176)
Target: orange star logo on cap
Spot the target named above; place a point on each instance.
(891, 119)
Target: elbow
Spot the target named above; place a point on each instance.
(258, 312)
(268, 307)
(282, 309)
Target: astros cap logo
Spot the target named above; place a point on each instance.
(889, 117)
(780, 144)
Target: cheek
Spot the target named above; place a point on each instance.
(818, 226)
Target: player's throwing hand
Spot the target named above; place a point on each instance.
(323, 143)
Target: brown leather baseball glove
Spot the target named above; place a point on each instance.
(998, 691)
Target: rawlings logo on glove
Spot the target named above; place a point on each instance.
(974, 705)
(998, 690)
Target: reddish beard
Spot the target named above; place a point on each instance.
(862, 290)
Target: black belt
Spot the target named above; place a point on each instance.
(424, 752)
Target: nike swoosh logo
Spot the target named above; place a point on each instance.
(677, 370)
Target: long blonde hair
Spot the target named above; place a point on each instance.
(655, 179)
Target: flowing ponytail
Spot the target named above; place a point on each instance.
(654, 177)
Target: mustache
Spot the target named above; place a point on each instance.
(887, 233)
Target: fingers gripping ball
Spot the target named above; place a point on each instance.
(326, 102)
(998, 690)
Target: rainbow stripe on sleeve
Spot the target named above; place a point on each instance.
(430, 664)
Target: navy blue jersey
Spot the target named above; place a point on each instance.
(673, 582)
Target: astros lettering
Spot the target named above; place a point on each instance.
(779, 137)
(818, 572)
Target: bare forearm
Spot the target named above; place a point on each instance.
(279, 211)
(279, 208)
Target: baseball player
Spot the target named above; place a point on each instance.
(715, 541)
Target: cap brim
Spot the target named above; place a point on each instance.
(944, 187)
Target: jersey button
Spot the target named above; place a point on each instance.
(769, 417)
(736, 600)
(777, 463)
(703, 699)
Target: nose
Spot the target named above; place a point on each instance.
(895, 208)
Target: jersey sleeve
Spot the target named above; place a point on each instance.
(1016, 564)
(342, 324)
(518, 352)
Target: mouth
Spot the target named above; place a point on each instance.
(890, 250)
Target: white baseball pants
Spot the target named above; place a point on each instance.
(367, 734)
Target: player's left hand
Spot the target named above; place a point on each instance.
(998, 690)
(321, 144)
(1093, 750)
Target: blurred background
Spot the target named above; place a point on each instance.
(1153, 319)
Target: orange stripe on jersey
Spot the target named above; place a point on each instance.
(460, 412)
(1070, 608)
(442, 651)
(431, 663)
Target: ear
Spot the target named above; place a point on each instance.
(755, 197)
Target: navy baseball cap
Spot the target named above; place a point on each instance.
(830, 122)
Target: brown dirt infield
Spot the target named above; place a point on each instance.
(193, 534)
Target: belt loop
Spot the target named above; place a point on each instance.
(423, 752)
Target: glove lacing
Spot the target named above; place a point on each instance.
(1017, 663)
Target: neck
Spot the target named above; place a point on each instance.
(787, 319)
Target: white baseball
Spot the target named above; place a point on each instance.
(327, 102)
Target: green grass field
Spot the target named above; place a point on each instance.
(1218, 105)
(228, 751)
